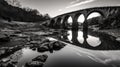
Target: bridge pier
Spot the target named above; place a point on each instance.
(85, 26)
(75, 24)
(52, 22)
(64, 24)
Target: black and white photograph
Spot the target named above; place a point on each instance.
(59, 33)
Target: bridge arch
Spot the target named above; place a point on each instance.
(79, 18)
(65, 22)
(58, 22)
(52, 22)
(70, 20)
(95, 17)
(96, 11)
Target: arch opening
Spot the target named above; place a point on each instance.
(67, 21)
(94, 15)
(81, 19)
(70, 20)
(52, 22)
(59, 19)
(94, 19)
(58, 23)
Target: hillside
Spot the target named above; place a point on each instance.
(9, 12)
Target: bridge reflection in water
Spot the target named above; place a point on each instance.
(74, 56)
(91, 40)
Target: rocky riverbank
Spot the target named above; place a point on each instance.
(41, 46)
(15, 36)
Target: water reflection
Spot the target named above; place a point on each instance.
(69, 56)
(70, 35)
(91, 40)
(28, 55)
(73, 56)
(16, 56)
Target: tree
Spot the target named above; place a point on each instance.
(46, 16)
(14, 3)
(9, 12)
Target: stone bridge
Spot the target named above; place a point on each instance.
(61, 20)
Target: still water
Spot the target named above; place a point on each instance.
(91, 40)
(81, 51)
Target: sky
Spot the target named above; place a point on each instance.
(57, 7)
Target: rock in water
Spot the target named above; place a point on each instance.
(57, 45)
(37, 62)
(34, 64)
(10, 65)
(4, 38)
(41, 58)
(42, 49)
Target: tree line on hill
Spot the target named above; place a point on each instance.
(9, 12)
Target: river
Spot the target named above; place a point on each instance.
(82, 50)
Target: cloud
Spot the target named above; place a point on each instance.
(60, 10)
(74, 1)
(80, 3)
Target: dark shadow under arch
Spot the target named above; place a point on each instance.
(52, 22)
(65, 23)
(77, 17)
(58, 22)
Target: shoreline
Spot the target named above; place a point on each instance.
(113, 32)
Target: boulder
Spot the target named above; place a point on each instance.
(2, 51)
(41, 58)
(14, 62)
(37, 62)
(10, 65)
(4, 38)
(45, 41)
(48, 46)
(118, 39)
(42, 49)
(2, 65)
(57, 45)
(34, 48)
(5, 60)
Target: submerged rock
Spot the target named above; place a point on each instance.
(5, 60)
(7, 65)
(42, 49)
(37, 62)
(41, 58)
(57, 45)
(45, 41)
(34, 64)
(2, 65)
(2, 51)
(118, 39)
(14, 62)
(4, 38)
(50, 46)
(10, 65)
